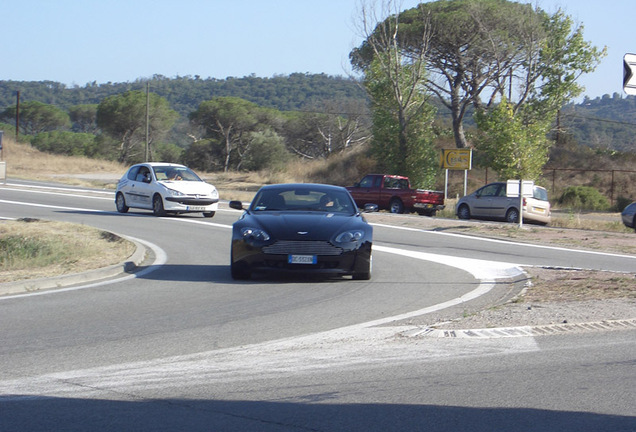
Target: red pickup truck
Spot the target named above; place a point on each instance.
(395, 194)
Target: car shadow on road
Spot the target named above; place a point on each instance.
(26, 413)
(221, 274)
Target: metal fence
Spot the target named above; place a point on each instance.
(613, 183)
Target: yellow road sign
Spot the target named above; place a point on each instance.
(457, 159)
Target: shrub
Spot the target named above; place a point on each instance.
(622, 202)
(66, 143)
(583, 198)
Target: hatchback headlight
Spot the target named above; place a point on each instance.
(349, 236)
(255, 234)
(175, 193)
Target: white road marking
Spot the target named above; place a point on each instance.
(506, 242)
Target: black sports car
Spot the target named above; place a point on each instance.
(307, 227)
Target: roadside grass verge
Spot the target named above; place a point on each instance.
(31, 248)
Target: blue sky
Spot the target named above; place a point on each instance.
(80, 41)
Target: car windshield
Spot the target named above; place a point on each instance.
(174, 173)
(320, 200)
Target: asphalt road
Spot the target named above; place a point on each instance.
(184, 347)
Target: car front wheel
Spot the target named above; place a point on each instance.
(157, 206)
(364, 271)
(463, 212)
(512, 215)
(240, 270)
(120, 202)
(208, 214)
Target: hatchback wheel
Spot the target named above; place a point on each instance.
(120, 202)
(157, 206)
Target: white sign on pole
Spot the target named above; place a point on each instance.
(629, 74)
(512, 188)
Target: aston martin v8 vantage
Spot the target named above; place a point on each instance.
(301, 227)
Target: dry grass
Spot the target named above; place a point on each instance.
(36, 249)
(26, 162)
(557, 285)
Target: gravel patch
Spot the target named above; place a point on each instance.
(549, 296)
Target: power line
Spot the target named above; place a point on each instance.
(598, 119)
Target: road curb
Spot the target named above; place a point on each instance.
(507, 332)
(31, 285)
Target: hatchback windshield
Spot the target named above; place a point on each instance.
(168, 172)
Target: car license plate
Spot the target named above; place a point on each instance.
(196, 208)
(302, 259)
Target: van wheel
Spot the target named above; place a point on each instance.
(512, 215)
(463, 212)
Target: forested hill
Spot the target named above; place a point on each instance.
(608, 122)
(285, 93)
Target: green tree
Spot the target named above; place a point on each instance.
(199, 155)
(168, 152)
(482, 50)
(516, 149)
(230, 122)
(66, 143)
(402, 115)
(84, 118)
(266, 151)
(123, 117)
(326, 127)
(563, 57)
(37, 117)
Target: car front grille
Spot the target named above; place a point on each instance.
(192, 200)
(286, 247)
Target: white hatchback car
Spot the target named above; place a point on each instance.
(165, 188)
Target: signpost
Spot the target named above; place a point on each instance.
(512, 190)
(457, 159)
(629, 74)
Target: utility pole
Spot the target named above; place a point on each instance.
(17, 117)
(147, 119)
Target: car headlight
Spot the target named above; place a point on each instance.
(349, 236)
(255, 234)
(215, 193)
(175, 193)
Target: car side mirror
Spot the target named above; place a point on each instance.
(236, 205)
(147, 180)
(371, 208)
